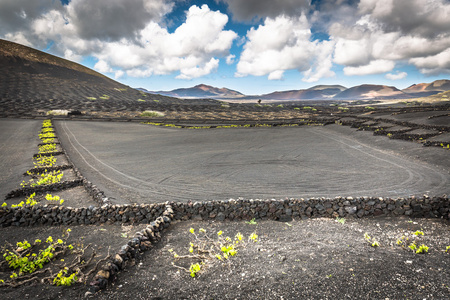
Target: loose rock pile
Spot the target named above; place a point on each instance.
(128, 252)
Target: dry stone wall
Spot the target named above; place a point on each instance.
(233, 209)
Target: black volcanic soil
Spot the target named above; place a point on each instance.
(310, 259)
(33, 82)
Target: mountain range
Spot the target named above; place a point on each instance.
(33, 74)
(318, 92)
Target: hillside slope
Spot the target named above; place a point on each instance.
(371, 91)
(34, 80)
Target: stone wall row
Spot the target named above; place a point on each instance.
(233, 209)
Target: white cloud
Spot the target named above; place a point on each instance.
(126, 36)
(251, 9)
(230, 59)
(322, 64)
(189, 72)
(118, 74)
(102, 67)
(352, 52)
(114, 19)
(19, 38)
(130, 36)
(281, 44)
(276, 75)
(427, 18)
(387, 31)
(433, 65)
(396, 76)
(374, 67)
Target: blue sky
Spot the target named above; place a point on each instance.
(253, 46)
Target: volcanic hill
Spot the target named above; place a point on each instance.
(33, 80)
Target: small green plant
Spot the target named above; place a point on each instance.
(141, 100)
(411, 242)
(31, 201)
(280, 106)
(91, 98)
(47, 135)
(296, 108)
(340, 220)
(372, 241)
(44, 179)
(49, 197)
(62, 279)
(30, 261)
(152, 114)
(252, 222)
(447, 249)
(422, 249)
(47, 148)
(104, 97)
(370, 108)
(194, 269)
(44, 161)
(204, 248)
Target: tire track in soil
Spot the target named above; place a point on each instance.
(251, 166)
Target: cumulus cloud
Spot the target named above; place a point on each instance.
(433, 65)
(388, 31)
(321, 64)
(126, 37)
(417, 17)
(276, 75)
(374, 67)
(246, 10)
(16, 15)
(102, 67)
(131, 36)
(396, 76)
(281, 44)
(114, 19)
(230, 59)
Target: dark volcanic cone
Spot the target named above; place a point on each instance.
(32, 80)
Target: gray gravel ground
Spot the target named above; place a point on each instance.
(311, 259)
(18, 143)
(139, 163)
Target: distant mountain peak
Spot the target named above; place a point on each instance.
(325, 87)
(428, 89)
(202, 91)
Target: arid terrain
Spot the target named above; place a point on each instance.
(367, 167)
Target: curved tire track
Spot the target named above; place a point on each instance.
(137, 163)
